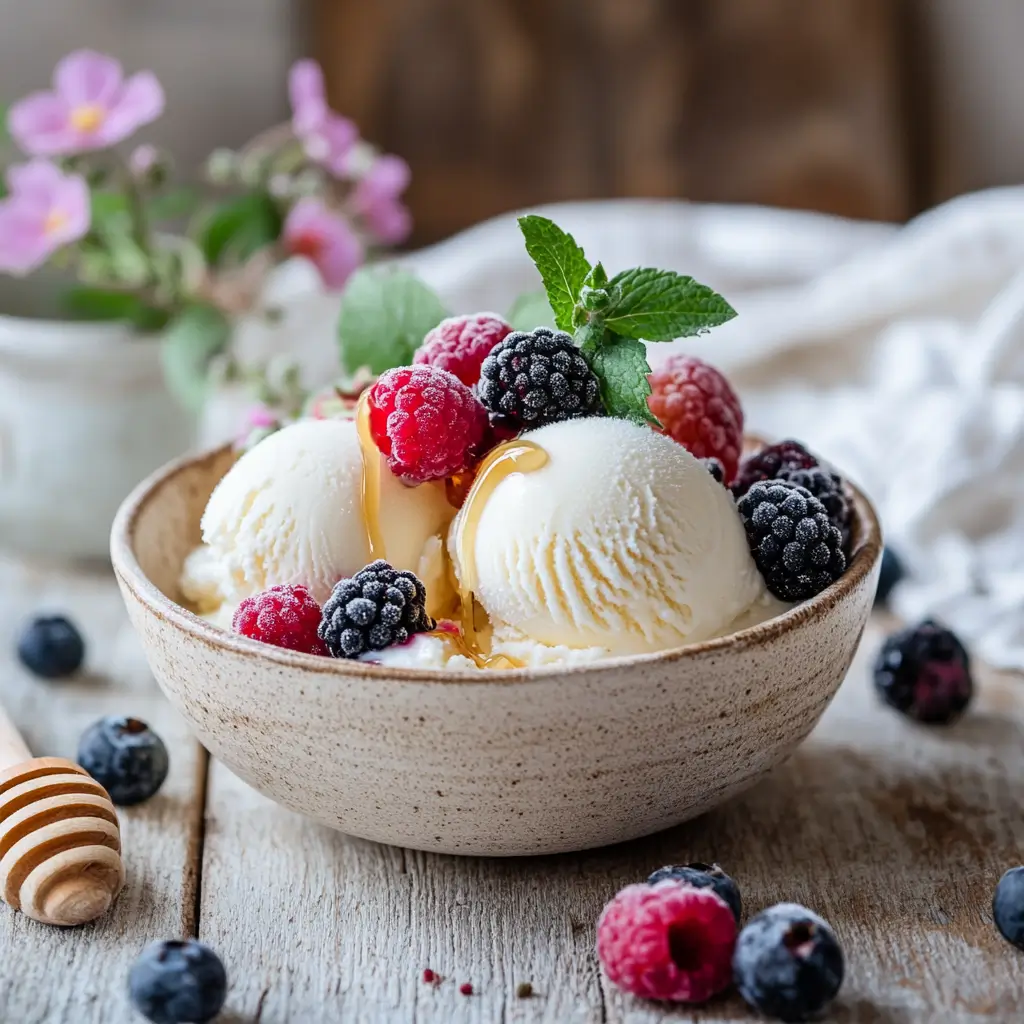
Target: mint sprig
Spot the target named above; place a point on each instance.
(610, 319)
(562, 265)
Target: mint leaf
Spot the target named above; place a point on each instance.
(191, 341)
(531, 310)
(384, 314)
(562, 265)
(620, 365)
(660, 305)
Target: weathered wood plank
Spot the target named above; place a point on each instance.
(896, 834)
(49, 975)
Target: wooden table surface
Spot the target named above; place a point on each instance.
(897, 834)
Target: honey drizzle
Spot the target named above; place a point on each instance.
(457, 644)
(518, 456)
(370, 485)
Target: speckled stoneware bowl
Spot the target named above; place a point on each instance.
(503, 763)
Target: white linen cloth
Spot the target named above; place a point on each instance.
(896, 353)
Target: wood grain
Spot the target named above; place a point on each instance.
(896, 833)
(509, 103)
(79, 976)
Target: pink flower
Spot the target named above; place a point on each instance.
(326, 136)
(375, 200)
(44, 211)
(325, 238)
(92, 106)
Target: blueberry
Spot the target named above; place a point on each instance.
(888, 576)
(178, 982)
(925, 673)
(704, 876)
(125, 757)
(1008, 906)
(51, 647)
(788, 963)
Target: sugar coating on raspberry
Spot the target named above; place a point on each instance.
(283, 616)
(460, 344)
(697, 407)
(668, 941)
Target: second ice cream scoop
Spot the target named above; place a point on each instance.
(621, 540)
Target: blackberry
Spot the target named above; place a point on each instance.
(925, 673)
(715, 468)
(530, 379)
(828, 487)
(378, 607)
(788, 963)
(767, 464)
(794, 543)
(703, 876)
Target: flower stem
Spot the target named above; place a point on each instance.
(136, 207)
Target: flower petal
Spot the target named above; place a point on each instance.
(87, 78)
(337, 250)
(340, 135)
(308, 96)
(388, 176)
(139, 102)
(39, 125)
(389, 221)
(34, 184)
(341, 255)
(23, 242)
(71, 201)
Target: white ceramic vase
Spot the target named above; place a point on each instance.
(84, 415)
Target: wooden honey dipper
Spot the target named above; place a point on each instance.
(60, 845)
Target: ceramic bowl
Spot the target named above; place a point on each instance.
(504, 763)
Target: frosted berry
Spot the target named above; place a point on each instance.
(788, 963)
(715, 468)
(537, 377)
(1008, 906)
(889, 574)
(51, 647)
(426, 422)
(703, 876)
(668, 941)
(697, 407)
(767, 463)
(178, 982)
(925, 673)
(795, 545)
(379, 607)
(460, 344)
(125, 757)
(283, 616)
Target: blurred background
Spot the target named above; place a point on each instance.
(867, 108)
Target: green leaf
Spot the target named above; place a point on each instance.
(531, 310)
(384, 314)
(175, 203)
(84, 303)
(189, 345)
(130, 263)
(239, 227)
(562, 265)
(661, 305)
(620, 365)
(111, 214)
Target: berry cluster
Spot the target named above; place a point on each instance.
(678, 938)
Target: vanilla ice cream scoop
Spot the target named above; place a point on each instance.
(290, 511)
(620, 539)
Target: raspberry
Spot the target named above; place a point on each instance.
(698, 408)
(925, 673)
(767, 463)
(668, 941)
(794, 543)
(426, 421)
(460, 344)
(378, 607)
(537, 377)
(283, 616)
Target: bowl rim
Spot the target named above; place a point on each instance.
(133, 579)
